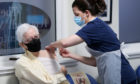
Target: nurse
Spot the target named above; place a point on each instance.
(102, 44)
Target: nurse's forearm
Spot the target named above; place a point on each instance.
(57, 44)
(67, 42)
(61, 44)
(86, 60)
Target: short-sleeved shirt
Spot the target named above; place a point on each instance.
(99, 36)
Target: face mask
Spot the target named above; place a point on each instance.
(34, 45)
(78, 20)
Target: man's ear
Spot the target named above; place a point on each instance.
(23, 45)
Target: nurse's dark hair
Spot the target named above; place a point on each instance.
(95, 7)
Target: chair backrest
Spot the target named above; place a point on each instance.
(138, 74)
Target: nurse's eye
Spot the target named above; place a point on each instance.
(76, 14)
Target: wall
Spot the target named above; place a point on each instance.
(129, 26)
(129, 21)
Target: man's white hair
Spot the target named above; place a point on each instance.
(22, 29)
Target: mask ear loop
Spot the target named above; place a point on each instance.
(84, 20)
(86, 14)
(84, 17)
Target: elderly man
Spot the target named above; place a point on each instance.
(36, 66)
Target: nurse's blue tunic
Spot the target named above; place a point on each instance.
(100, 37)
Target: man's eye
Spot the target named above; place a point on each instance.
(36, 37)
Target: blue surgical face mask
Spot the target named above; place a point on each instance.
(78, 20)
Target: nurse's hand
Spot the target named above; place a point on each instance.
(64, 53)
(50, 48)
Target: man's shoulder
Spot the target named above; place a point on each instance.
(47, 54)
(22, 61)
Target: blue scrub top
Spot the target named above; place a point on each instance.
(99, 36)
